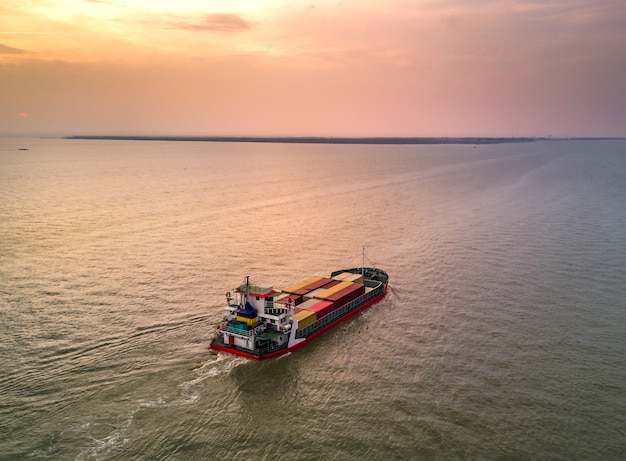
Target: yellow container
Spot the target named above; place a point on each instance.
(250, 322)
(302, 284)
(305, 318)
(313, 294)
(326, 293)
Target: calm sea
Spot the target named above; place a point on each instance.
(504, 336)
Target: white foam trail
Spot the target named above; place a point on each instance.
(222, 364)
(102, 447)
(158, 403)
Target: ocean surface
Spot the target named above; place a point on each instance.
(504, 335)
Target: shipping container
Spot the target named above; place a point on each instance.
(341, 277)
(331, 284)
(322, 308)
(283, 301)
(308, 302)
(322, 282)
(246, 320)
(346, 295)
(345, 300)
(305, 318)
(280, 296)
(302, 291)
(356, 278)
(314, 293)
(329, 291)
(353, 287)
(297, 286)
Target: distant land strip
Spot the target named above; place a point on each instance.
(319, 140)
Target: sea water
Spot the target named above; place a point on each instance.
(503, 337)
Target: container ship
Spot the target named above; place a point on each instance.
(262, 323)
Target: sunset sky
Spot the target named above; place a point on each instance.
(317, 68)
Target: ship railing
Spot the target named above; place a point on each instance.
(237, 331)
(339, 312)
(258, 351)
(271, 348)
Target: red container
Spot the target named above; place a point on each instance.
(322, 308)
(296, 299)
(319, 284)
(313, 286)
(331, 284)
(347, 294)
(346, 299)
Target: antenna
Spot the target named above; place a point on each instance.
(247, 290)
(363, 263)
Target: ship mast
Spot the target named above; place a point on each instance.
(363, 263)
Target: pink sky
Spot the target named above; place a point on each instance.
(318, 68)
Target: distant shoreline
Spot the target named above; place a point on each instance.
(318, 140)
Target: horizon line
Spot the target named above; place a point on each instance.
(343, 139)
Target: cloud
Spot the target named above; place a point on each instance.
(532, 67)
(223, 22)
(4, 49)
